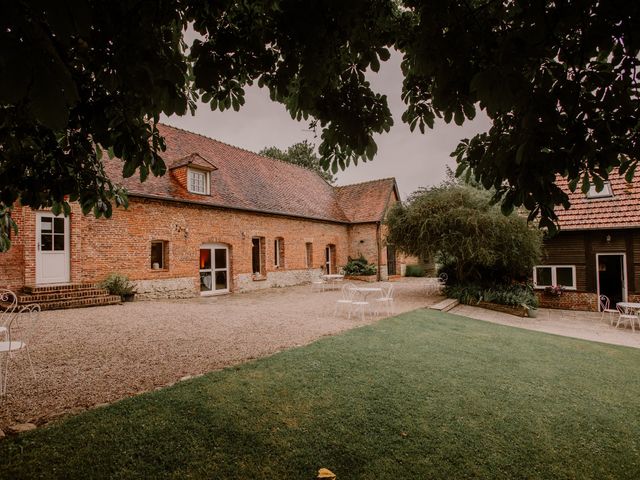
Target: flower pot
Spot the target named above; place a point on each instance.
(128, 297)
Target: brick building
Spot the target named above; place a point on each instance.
(597, 251)
(221, 220)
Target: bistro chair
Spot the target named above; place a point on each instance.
(11, 346)
(626, 317)
(8, 306)
(386, 299)
(346, 300)
(318, 284)
(605, 307)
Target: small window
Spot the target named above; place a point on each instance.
(278, 252)
(198, 181)
(257, 256)
(158, 255)
(604, 193)
(309, 254)
(555, 275)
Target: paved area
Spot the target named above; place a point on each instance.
(568, 323)
(90, 356)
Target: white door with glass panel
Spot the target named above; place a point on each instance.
(52, 248)
(214, 269)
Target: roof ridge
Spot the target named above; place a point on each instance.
(366, 181)
(244, 149)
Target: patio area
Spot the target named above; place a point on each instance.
(92, 356)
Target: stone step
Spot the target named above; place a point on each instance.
(35, 289)
(61, 295)
(445, 305)
(81, 302)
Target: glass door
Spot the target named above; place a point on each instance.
(214, 269)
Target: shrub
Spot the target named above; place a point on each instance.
(359, 266)
(415, 271)
(513, 295)
(118, 284)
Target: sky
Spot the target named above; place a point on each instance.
(414, 159)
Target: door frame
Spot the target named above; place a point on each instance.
(327, 260)
(212, 247)
(625, 280)
(67, 249)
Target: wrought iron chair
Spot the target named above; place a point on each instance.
(626, 317)
(386, 299)
(8, 306)
(346, 300)
(29, 315)
(605, 307)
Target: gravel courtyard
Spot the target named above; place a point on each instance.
(91, 356)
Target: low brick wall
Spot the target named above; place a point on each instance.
(569, 300)
(362, 278)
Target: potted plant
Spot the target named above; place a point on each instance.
(118, 284)
(554, 290)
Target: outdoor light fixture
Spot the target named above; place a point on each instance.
(608, 238)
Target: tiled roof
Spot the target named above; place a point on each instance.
(247, 181)
(622, 210)
(367, 201)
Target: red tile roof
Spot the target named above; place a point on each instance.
(620, 211)
(367, 201)
(247, 181)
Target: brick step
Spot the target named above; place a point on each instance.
(33, 289)
(81, 302)
(61, 295)
(445, 305)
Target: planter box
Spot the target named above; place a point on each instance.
(517, 311)
(362, 278)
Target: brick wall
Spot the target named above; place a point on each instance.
(569, 300)
(123, 243)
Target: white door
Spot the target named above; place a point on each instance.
(52, 249)
(214, 269)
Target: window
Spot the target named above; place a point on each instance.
(309, 254)
(158, 255)
(553, 275)
(257, 256)
(198, 181)
(604, 193)
(278, 252)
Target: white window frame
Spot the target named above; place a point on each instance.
(277, 244)
(163, 260)
(554, 277)
(606, 192)
(190, 183)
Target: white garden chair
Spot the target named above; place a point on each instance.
(605, 307)
(318, 284)
(11, 346)
(386, 300)
(345, 301)
(626, 317)
(8, 306)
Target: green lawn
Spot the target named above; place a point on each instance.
(420, 396)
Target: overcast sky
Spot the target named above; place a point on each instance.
(414, 159)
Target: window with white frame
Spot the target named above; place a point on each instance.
(278, 252)
(554, 275)
(198, 181)
(604, 193)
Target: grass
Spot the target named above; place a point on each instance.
(422, 395)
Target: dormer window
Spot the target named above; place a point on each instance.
(604, 193)
(198, 181)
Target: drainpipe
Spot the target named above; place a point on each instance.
(379, 243)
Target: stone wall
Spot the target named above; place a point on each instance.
(166, 288)
(246, 282)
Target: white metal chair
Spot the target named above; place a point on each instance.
(605, 307)
(28, 315)
(8, 306)
(626, 317)
(345, 301)
(318, 284)
(442, 279)
(386, 299)
(359, 306)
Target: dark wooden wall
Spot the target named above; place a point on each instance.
(580, 249)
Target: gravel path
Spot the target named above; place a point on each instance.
(91, 356)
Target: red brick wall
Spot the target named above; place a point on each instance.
(123, 243)
(12, 262)
(569, 300)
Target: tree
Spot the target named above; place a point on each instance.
(458, 224)
(302, 154)
(558, 80)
